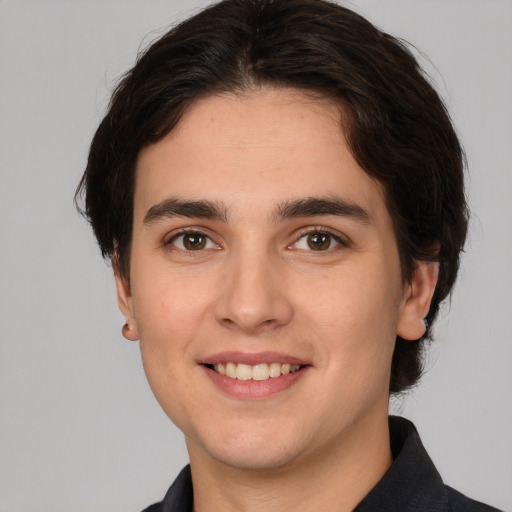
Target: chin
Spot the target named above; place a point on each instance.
(258, 459)
(253, 451)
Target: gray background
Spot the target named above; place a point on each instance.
(79, 428)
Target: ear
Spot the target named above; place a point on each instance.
(416, 300)
(125, 302)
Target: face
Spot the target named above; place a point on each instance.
(265, 281)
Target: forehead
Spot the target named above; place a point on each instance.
(255, 150)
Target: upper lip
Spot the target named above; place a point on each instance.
(252, 358)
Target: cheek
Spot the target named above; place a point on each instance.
(169, 312)
(360, 299)
(168, 303)
(169, 315)
(355, 316)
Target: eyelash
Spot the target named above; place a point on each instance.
(304, 233)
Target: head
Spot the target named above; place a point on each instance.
(394, 123)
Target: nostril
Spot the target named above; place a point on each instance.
(227, 322)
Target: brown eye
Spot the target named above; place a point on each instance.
(319, 241)
(194, 241)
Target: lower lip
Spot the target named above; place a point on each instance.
(254, 389)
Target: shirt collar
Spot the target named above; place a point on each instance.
(412, 482)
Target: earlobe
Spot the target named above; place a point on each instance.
(125, 303)
(130, 332)
(416, 301)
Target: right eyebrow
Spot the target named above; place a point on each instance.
(173, 207)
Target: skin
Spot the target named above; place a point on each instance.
(258, 286)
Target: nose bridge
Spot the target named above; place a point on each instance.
(253, 297)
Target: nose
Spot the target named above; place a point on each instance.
(253, 296)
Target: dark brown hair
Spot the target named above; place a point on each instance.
(396, 125)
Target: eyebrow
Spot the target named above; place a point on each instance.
(314, 206)
(174, 207)
(307, 207)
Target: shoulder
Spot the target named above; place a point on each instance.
(412, 483)
(156, 507)
(179, 497)
(457, 502)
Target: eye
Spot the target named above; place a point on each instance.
(192, 241)
(317, 241)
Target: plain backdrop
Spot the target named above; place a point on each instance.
(79, 427)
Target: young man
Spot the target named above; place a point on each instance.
(281, 193)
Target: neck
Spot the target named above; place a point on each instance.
(338, 478)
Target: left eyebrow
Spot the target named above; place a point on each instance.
(318, 206)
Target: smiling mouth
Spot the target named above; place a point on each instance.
(258, 372)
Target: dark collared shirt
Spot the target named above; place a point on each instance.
(411, 484)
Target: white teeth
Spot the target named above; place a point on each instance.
(275, 370)
(231, 370)
(220, 368)
(262, 371)
(244, 372)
